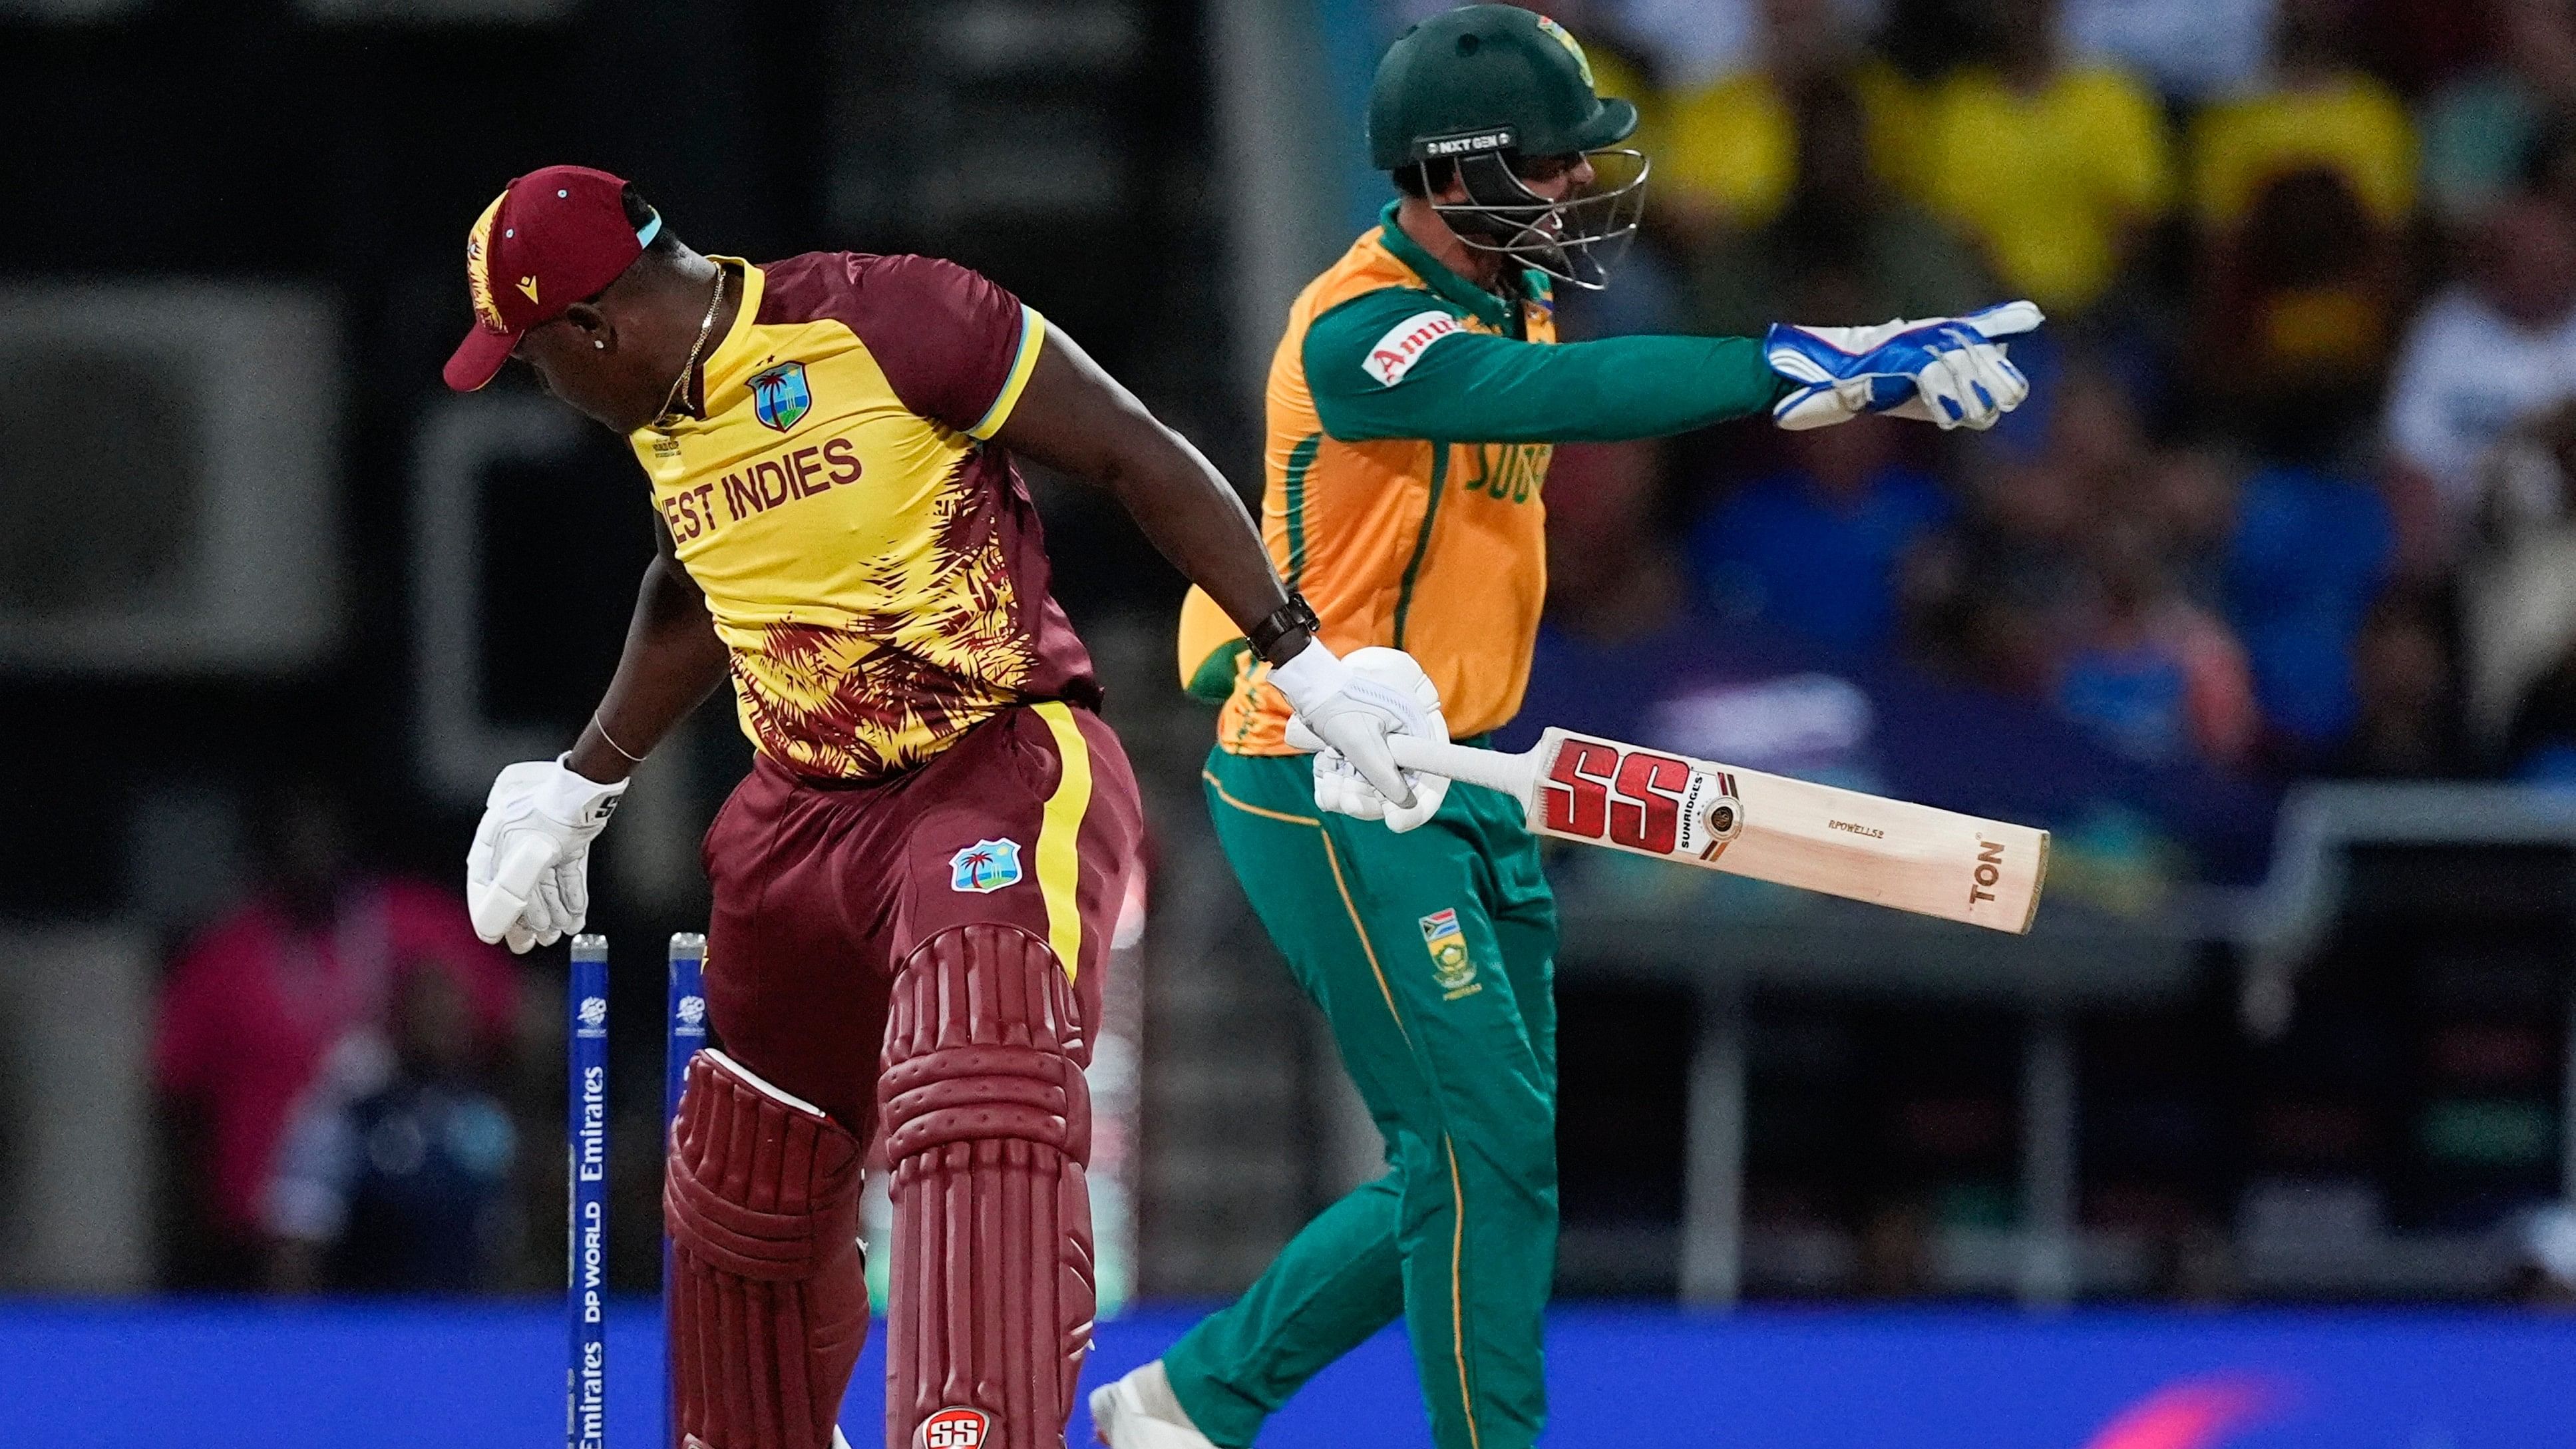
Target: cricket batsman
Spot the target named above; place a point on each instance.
(914, 888)
(1411, 407)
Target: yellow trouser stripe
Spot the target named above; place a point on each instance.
(1457, 1281)
(1059, 836)
(1280, 815)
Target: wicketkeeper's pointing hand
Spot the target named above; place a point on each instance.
(1948, 371)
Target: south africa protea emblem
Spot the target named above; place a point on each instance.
(1451, 966)
(779, 397)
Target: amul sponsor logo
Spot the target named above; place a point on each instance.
(1404, 344)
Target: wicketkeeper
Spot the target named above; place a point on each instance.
(1411, 408)
(914, 888)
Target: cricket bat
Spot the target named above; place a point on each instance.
(1770, 827)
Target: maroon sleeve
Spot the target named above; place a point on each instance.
(946, 337)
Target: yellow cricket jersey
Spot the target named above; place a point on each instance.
(2047, 181)
(1436, 548)
(1732, 145)
(874, 564)
(1733, 148)
(2353, 126)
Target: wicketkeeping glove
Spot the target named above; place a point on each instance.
(527, 877)
(1948, 371)
(1339, 785)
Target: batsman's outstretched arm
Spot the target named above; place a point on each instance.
(672, 661)
(1077, 418)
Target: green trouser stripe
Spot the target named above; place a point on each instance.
(1422, 540)
(1301, 460)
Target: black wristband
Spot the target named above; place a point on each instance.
(1282, 621)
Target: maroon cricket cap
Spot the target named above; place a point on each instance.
(556, 237)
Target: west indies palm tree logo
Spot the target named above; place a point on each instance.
(779, 397)
(985, 866)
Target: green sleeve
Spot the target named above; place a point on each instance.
(1475, 387)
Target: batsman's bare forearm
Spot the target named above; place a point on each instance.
(672, 662)
(1077, 419)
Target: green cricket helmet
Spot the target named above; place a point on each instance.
(1495, 90)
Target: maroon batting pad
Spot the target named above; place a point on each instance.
(988, 1125)
(769, 1300)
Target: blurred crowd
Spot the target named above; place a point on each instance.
(2296, 491)
(338, 1060)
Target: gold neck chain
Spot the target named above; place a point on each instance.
(671, 401)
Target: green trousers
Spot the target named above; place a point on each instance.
(1431, 953)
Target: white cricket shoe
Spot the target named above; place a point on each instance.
(1139, 1412)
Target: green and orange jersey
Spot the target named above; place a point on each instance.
(873, 562)
(1411, 418)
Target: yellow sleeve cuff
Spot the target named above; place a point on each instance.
(1032, 338)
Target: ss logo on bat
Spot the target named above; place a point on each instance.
(1636, 801)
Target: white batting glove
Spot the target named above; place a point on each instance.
(1339, 785)
(527, 876)
(1346, 713)
(1947, 371)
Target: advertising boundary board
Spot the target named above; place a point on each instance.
(423, 1373)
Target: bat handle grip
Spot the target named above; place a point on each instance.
(1514, 775)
